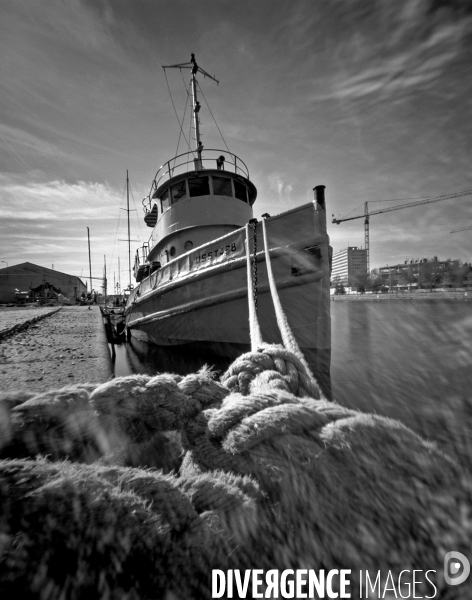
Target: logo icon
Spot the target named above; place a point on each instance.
(456, 568)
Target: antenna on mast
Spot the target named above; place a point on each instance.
(195, 103)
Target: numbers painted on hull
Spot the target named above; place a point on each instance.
(208, 257)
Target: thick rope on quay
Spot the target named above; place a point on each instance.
(280, 478)
(130, 421)
(58, 423)
(140, 405)
(271, 366)
(343, 488)
(74, 531)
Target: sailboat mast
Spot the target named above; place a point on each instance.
(129, 236)
(90, 259)
(105, 278)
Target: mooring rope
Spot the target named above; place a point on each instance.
(272, 365)
(288, 338)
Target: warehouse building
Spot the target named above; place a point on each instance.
(27, 276)
(349, 263)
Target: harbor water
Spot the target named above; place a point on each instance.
(408, 360)
(405, 360)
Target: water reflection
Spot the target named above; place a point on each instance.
(140, 357)
(407, 360)
(403, 351)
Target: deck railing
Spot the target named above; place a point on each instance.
(141, 255)
(189, 161)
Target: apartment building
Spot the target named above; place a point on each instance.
(349, 263)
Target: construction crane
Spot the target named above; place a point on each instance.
(367, 215)
(461, 229)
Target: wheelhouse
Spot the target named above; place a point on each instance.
(187, 208)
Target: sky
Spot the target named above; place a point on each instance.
(371, 98)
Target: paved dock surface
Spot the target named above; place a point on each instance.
(66, 347)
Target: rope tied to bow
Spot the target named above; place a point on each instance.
(270, 365)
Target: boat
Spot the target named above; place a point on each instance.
(191, 275)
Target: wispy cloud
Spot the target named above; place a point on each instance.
(13, 138)
(419, 65)
(46, 221)
(55, 200)
(280, 186)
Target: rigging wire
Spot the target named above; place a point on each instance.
(136, 210)
(175, 110)
(208, 106)
(183, 119)
(190, 120)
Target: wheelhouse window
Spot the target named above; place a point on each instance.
(240, 191)
(199, 186)
(165, 203)
(179, 191)
(222, 186)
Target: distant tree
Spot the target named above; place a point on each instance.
(407, 276)
(375, 281)
(361, 281)
(338, 285)
(392, 279)
(447, 273)
(458, 272)
(429, 274)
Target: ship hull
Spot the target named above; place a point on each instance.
(202, 297)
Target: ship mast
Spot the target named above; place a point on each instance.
(129, 237)
(195, 103)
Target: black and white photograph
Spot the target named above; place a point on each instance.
(235, 299)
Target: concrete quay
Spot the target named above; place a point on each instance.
(60, 348)
(400, 296)
(12, 320)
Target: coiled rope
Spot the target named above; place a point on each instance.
(268, 480)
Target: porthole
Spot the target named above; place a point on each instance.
(172, 251)
(188, 245)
